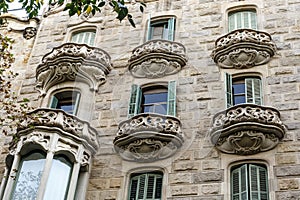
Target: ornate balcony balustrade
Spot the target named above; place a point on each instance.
(157, 58)
(74, 62)
(243, 48)
(42, 124)
(247, 129)
(148, 137)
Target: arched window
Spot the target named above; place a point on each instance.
(246, 89)
(161, 29)
(248, 182)
(84, 37)
(242, 19)
(68, 101)
(29, 176)
(146, 186)
(158, 99)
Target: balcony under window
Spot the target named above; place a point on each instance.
(157, 58)
(247, 129)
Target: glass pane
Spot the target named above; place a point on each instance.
(154, 98)
(239, 100)
(158, 188)
(238, 88)
(58, 181)
(29, 177)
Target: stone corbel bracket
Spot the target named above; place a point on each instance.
(243, 48)
(157, 58)
(247, 129)
(148, 137)
(73, 62)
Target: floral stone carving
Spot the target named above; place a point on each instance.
(73, 62)
(247, 129)
(157, 58)
(147, 137)
(243, 48)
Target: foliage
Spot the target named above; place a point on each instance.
(12, 110)
(78, 7)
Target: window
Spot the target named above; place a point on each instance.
(242, 19)
(243, 90)
(67, 101)
(84, 37)
(147, 186)
(249, 182)
(161, 29)
(153, 99)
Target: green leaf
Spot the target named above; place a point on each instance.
(101, 4)
(142, 9)
(129, 17)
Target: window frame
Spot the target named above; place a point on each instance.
(54, 101)
(233, 18)
(248, 180)
(135, 101)
(91, 39)
(169, 21)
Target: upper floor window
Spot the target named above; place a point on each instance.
(249, 182)
(161, 29)
(84, 37)
(243, 90)
(67, 101)
(153, 99)
(146, 186)
(242, 19)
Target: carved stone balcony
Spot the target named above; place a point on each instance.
(243, 48)
(148, 137)
(247, 129)
(42, 126)
(157, 58)
(73, 62)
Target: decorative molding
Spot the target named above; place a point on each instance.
(157, 58)
(243, 48)
(247, 129)
(73, 62)
(71, 129)
(29, 32)
(147, 137)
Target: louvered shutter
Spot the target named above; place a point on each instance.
(239, 183)
(77, 98)
(258, 182)
(242, 19)
(171, 108)
(149, 29)
(231, 22)
(53, 102)
(253, 91)
(135, 100)
(171, 28)
(228, 85)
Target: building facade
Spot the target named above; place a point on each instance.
(199, 101)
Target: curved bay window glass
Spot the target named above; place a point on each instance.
(242, 19)
(84, 37)
(29, 176)
(146, 186)
(243, 90)
(249, 182)
(158, 99)
(68, 101)
(59, 178)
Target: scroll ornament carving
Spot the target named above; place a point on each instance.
(247, 129)
(243, 48)
(157, 58)
(147, 137)
(74, 62)
(29, 32)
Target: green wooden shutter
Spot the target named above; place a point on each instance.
(228, 85)
(171, 108)
(253, 91)
(171, 28)
(77, 98)
(253, 20)
(53, 102)
(258, 182)
(231, 22)
(135, 100)
(239, 183)
(149, 29)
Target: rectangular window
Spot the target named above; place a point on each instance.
(249, 182)
(68, 101)
(243, 90)
(84, 37)
(161, 29)
(242, 19)
(155, 99)
(147, 186)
